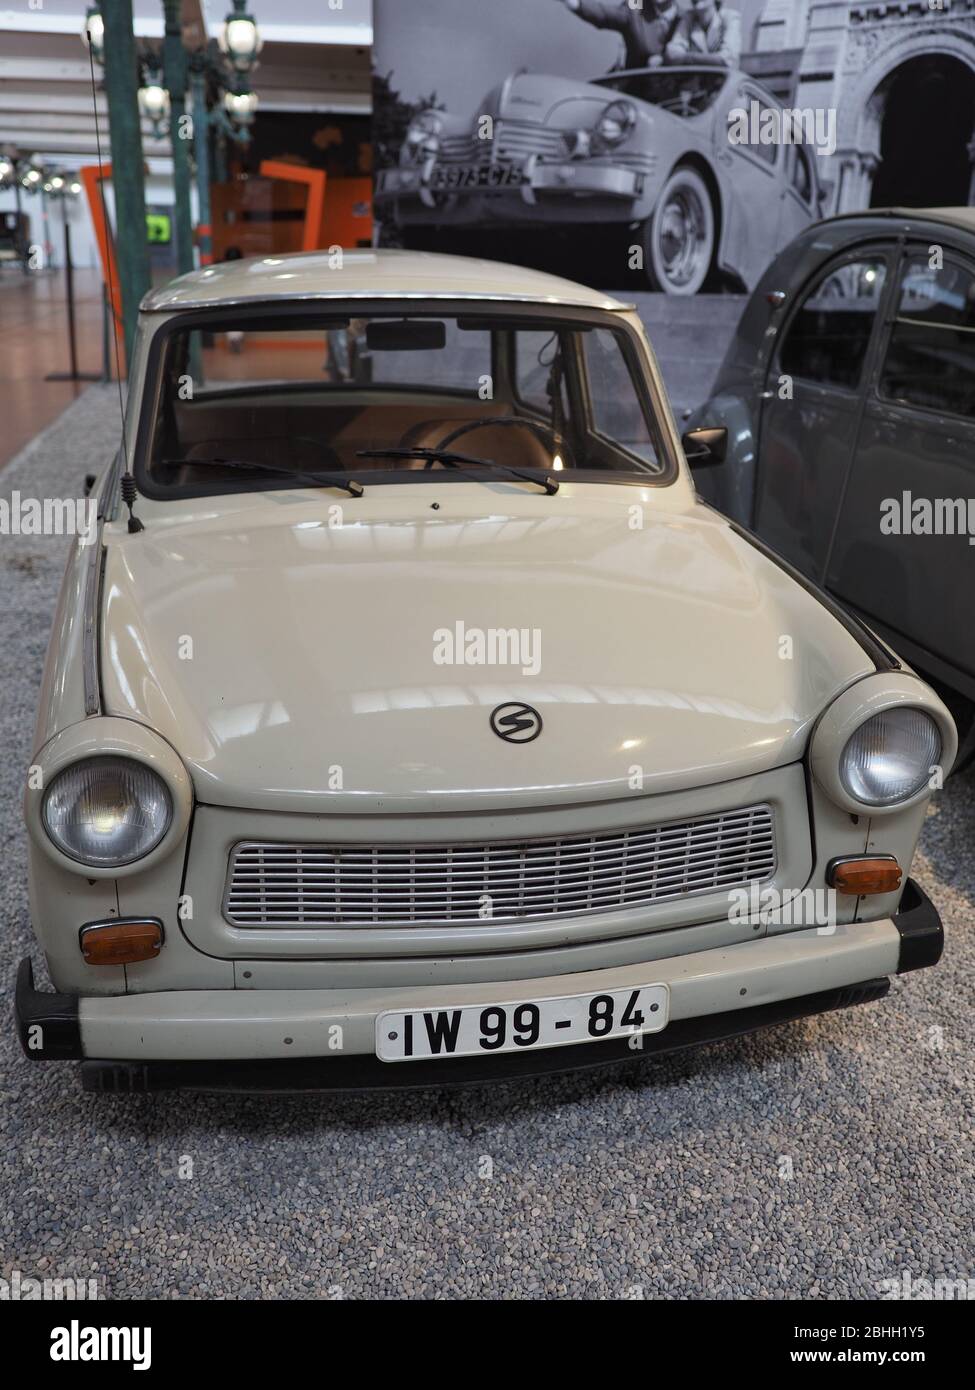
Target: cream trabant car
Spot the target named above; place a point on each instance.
(410, 721)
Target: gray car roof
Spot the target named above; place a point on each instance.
(961, 217)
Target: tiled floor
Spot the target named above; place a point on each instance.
(34, 342)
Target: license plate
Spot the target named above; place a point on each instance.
(451, 176)
(478, 1030)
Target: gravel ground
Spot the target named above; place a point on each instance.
(815, 1159)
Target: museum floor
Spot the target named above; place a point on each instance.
(815, 1159)
(34, 342)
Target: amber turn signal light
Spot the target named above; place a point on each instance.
(119, 942)
(862, 876)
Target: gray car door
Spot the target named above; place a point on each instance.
(903, 552)
(756, 188)
(812, 403)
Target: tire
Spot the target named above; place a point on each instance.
(679, 235)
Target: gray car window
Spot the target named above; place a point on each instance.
(802, 177)
(930, 358)
(828, 336)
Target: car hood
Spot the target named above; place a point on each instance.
(560, 101)
(298, 664)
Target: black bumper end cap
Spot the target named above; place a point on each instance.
(47, 1023)
(919, 924)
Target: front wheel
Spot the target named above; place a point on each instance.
(679, 235)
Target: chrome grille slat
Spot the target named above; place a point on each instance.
(309, 885)
(436, 852)
(513, 142)
(464, 876)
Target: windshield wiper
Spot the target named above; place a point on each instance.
(454, 460)
(314, 479)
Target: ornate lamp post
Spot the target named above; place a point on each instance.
(240, 107)
(240, 39)
(93, 33)
(153, 96)
(180, 130)
(162, 100)
(108, 36)
(206, 77)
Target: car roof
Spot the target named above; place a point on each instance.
(369, 274)
(961, 217)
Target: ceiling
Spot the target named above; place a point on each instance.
(315, 58)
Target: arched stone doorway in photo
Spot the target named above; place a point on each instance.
(927, 126)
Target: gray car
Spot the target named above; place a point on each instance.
(643, 151)
(848, 392)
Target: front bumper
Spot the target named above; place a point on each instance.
(426, 183)
(284, 1039)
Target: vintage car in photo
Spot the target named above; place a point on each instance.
(410, 721)
(848, 392)
(645, 152)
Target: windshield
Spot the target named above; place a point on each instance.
(683, 91)
(242, 402)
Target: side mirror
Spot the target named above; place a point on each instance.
(705, 447)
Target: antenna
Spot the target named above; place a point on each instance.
(128, 486)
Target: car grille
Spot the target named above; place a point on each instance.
(354, 885)
(512, 143)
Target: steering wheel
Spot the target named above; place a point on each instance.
(549, 436)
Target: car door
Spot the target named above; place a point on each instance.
(800, 199)
(903, 551)
(812, 403)
(755, 187)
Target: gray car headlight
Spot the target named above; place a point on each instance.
(889, 757)
(615, 123)
(423, 136)
(107, 811)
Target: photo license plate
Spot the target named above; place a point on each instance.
(448, 176)
(477, 1030)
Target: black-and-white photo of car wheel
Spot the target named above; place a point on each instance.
(679, 235)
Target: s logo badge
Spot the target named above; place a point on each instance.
(516, 723)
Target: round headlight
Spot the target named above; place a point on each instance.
(107, 811)
(422, 135)
(616, 122)
(889, 757)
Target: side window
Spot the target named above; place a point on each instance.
(930, 358)
(767, 153)
(616, 409)
(802, 175)
(828, 337)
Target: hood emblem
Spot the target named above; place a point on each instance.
(516, 723)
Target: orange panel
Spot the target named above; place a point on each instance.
(92, 177)
(348, 213)
(314, 179)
